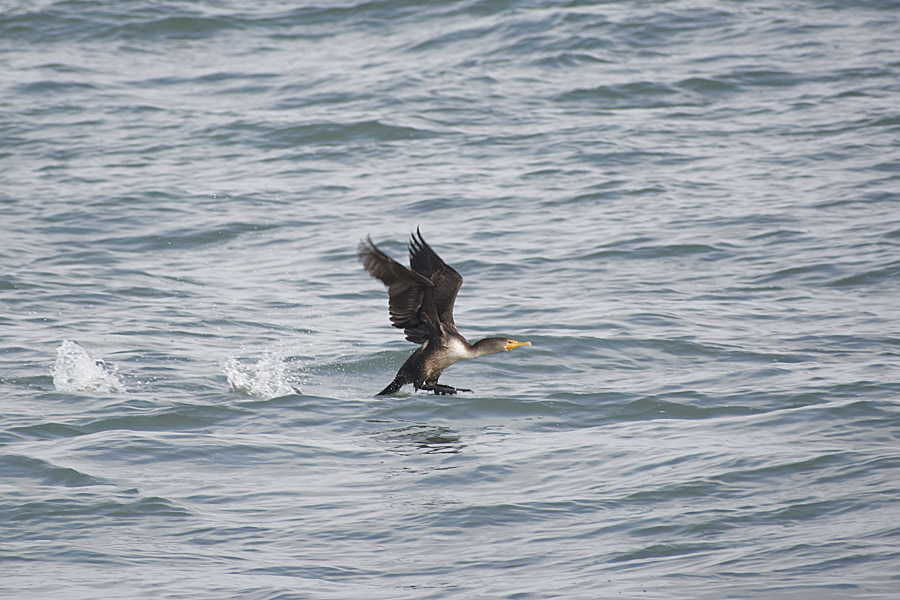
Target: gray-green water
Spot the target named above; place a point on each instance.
(689, 208)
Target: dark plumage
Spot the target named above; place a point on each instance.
(421, 302)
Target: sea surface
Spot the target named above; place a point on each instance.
(690, 208)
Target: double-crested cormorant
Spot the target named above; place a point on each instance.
(421, 304)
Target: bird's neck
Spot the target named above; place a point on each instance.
(485, 347)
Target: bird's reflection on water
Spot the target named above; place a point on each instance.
(420, 438)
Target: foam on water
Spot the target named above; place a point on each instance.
(76, 371)
(266, 377)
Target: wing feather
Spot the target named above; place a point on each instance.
(446, 280)
(406, 291)
(421, 298)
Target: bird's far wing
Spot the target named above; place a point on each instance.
(446, 280)
(406, 290)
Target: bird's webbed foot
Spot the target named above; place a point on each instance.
(444, 390)
(440, 389)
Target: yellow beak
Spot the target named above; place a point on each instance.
(514, 344)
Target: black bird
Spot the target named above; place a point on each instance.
(421, 304)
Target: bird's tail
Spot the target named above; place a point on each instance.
(393, 388)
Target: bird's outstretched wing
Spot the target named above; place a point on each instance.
(445, 279)
(406, 291)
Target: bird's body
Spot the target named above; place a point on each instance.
(421, 303)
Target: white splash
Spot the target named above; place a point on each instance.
(76, 371)
(266, 377)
